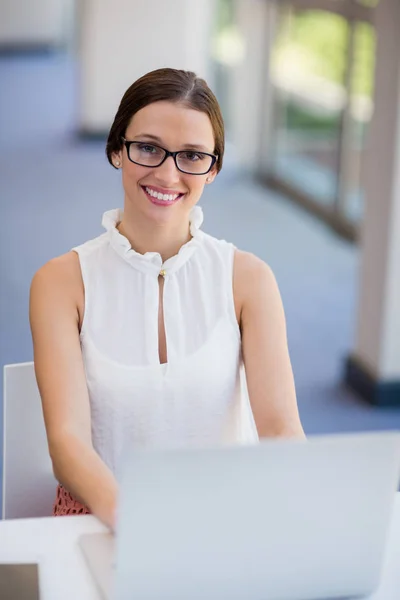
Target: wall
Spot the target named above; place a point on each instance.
(34, 22)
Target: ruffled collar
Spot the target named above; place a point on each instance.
(151, 262)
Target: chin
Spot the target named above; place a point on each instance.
(162, 215)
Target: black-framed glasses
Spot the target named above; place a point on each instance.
(150, 155)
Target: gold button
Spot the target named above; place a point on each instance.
(163, 272)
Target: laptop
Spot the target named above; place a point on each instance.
(281, 520)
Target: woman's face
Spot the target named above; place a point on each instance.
(174, 127)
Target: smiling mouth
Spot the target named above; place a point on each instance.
(160, 198)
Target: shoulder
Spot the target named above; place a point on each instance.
(251, 272)
(254, 282)
(66, 270)
(248, 265)
(60, 271)
(58, 285)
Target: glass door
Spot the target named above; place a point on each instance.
(321, 75)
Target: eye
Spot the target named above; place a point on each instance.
(148, 148)
(192, 156)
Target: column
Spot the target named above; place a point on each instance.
(373, 369)
(34, 24)
(255, 22)
(120, 42)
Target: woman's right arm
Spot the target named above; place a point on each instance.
(56, 301)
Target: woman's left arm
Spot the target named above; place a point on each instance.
(265, 351)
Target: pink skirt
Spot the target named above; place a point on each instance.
(65, 504)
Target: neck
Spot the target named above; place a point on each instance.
(166, 239)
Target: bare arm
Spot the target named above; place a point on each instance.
(265, 351)
(56, 293)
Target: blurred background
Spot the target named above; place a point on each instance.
(310, 92)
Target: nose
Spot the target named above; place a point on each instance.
(167, 173)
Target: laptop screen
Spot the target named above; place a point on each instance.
(19, 581)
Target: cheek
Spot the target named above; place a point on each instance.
(195, 185)
(132, 174)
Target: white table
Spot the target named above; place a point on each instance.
(52, 542)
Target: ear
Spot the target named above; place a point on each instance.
(117, 159)
(211, 175)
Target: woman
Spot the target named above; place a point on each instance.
(140, 334)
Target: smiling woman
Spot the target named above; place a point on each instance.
(141, 335)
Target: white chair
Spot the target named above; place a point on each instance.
(29, 486)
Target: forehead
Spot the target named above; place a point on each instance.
(175, 124)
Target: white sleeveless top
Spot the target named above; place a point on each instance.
(199, 397)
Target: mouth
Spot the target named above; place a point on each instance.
(161, 197)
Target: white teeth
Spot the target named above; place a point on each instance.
(159, 196)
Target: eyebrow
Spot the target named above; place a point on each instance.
(158, 140)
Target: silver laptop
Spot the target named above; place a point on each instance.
(283, 520)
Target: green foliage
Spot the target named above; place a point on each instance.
(318, 40)
(300, 119)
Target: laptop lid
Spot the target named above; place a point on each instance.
(283, 520)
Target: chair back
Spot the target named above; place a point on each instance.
(29, 485)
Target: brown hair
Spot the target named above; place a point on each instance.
(175, 86)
